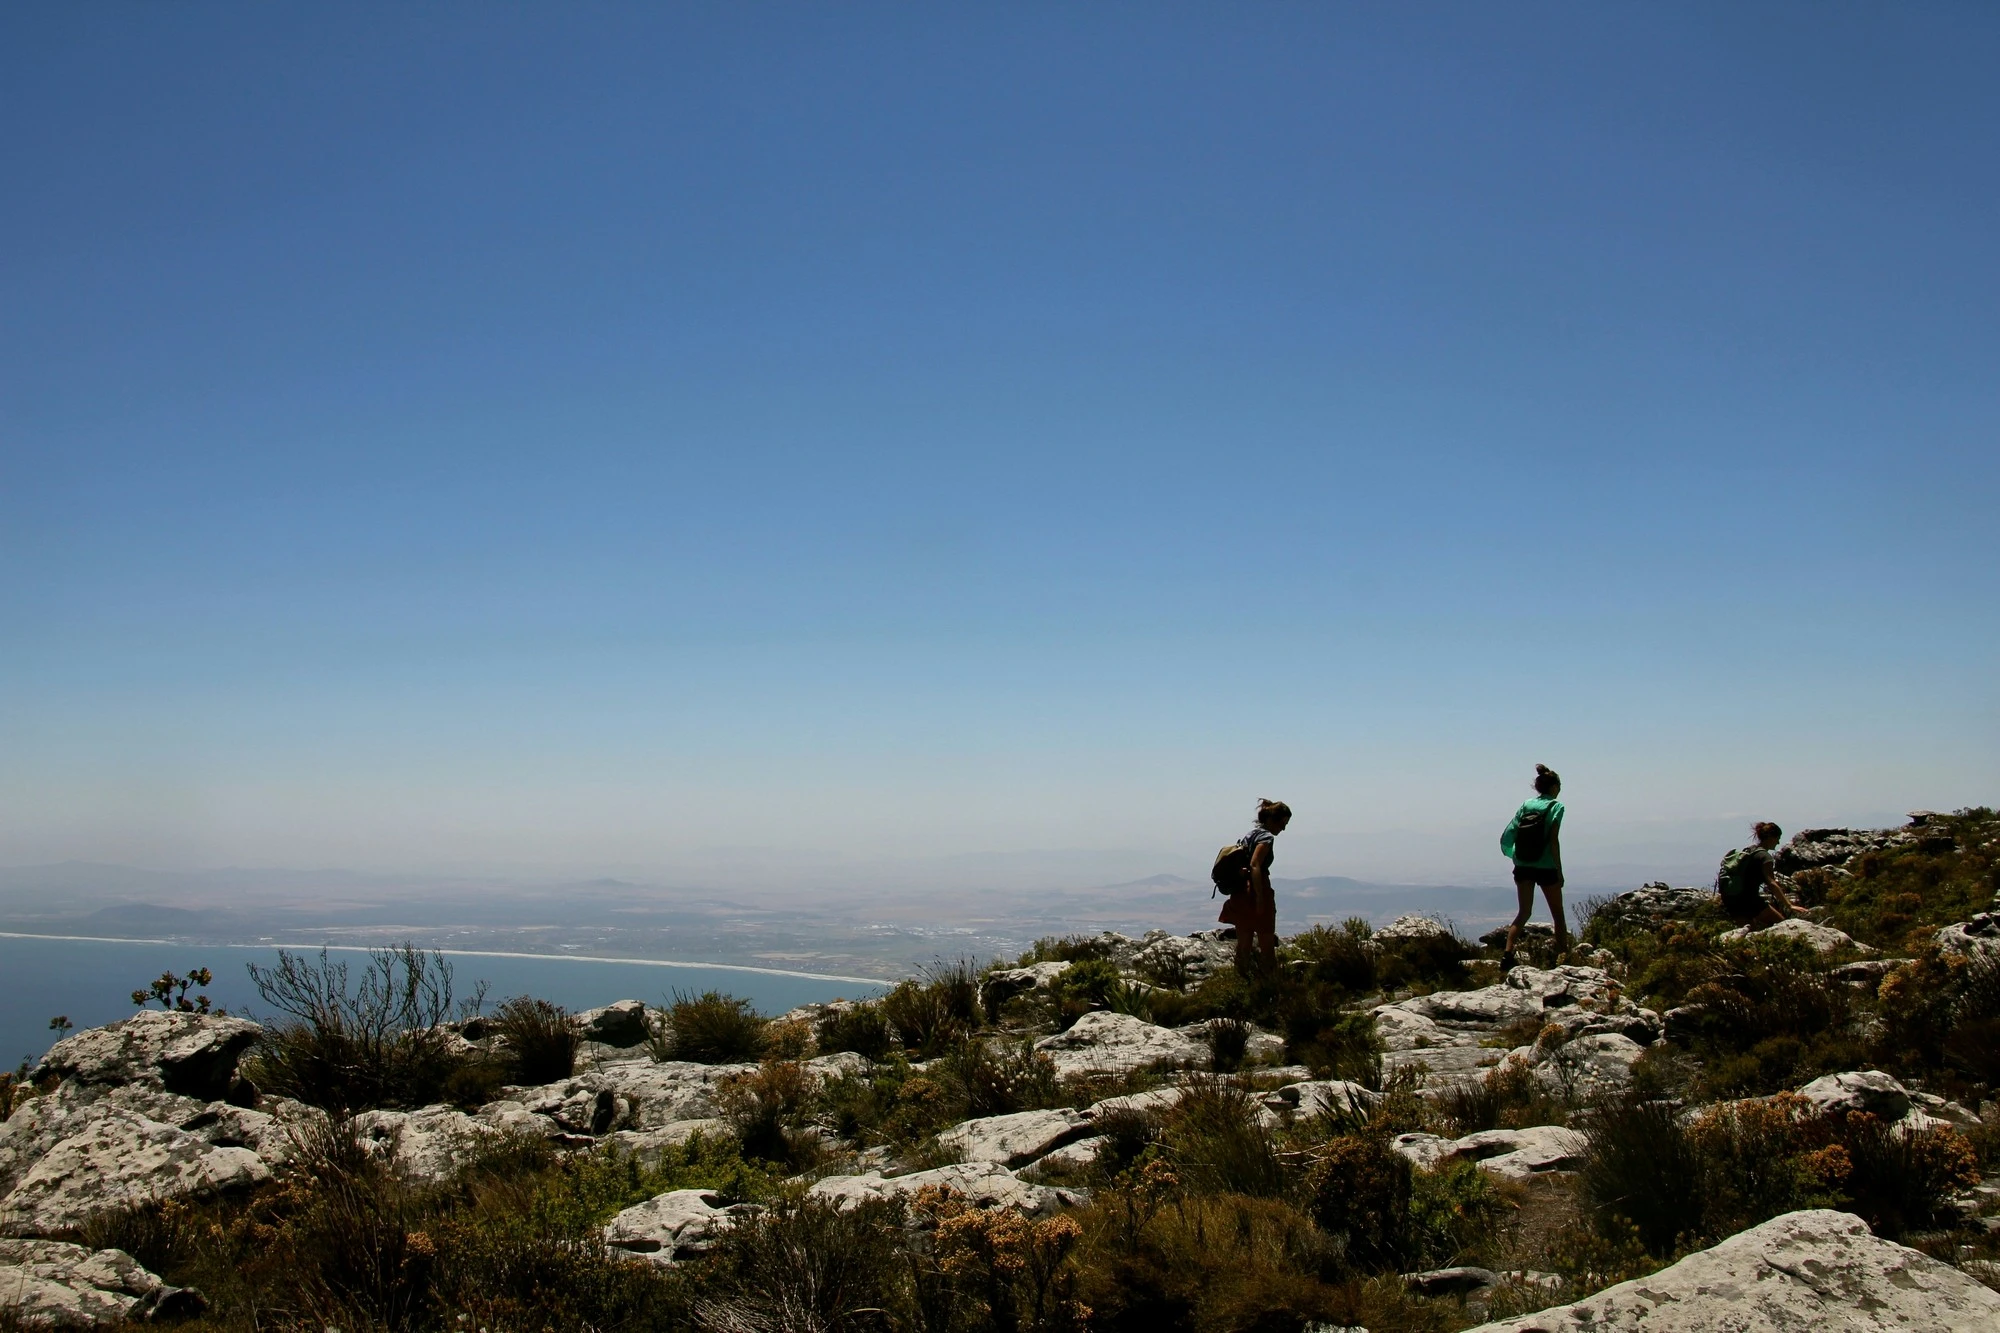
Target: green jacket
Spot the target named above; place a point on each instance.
(1551, 857)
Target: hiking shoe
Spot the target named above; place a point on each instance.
(1507, 961)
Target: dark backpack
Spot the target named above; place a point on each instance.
(1231, 872)
(1738, 878)
(1531, 833)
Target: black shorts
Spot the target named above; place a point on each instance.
(1527, 877)
(1743, 910)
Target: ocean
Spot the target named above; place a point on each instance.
(90, 981)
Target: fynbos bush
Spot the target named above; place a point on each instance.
(710, 1029)
(351, 1044)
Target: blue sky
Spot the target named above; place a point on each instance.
(754, 441)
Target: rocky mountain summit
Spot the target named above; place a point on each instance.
(1391, 1131)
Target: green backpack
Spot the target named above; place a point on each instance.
(1738, 879)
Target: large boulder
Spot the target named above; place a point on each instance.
(671, 1226)
(1868, 1090)
(1413, 926)
(982, 1184)
(51, 1282)
(622, 1023)
(1653, 903)
(1183, 959)
(1972, 939)
(431, 1144)
(1110, 1043)
(1817, 847)
(193, 1055)
(1816, 1271)
(118, 1159)
(1015, 1140)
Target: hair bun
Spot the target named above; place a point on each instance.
(1543, 769)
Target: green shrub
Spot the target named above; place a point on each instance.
(1067, 949)
(1213, 1139)
(1153, 1259)
(1358, 1191)
(1426, 960)
(1228, 1041)
(805, 1264)
(1334, 1043)
(541, 1039)
(1344, 958)
(1451, 1210)
(710, 1029)
(379, 1041)
(1685, 1183)
(861, 1028)
(1897, 897)
(768, 1111)
(1015, 1078)
(1941, 1015)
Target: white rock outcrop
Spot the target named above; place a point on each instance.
(1808, 1272)
(982, 1184)
(1823, 939)
(1014, 1140)
(1110, 1043)
(51, 1282)
(1512, 1154)
(672, 1226)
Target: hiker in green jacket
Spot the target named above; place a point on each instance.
(1745, 872)
(1532, 840)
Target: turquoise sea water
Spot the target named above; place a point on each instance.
(91, 981)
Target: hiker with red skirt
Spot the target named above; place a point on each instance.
(1243, 871)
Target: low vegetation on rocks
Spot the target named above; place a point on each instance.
(1387, 1132)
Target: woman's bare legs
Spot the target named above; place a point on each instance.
(1526, 890)
(1554, 894)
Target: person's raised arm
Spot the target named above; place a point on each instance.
(1771, 883)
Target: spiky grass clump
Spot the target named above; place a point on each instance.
(711, 1029)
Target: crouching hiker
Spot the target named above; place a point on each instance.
(1745, 873)
(1243, 871)
(1532, 840)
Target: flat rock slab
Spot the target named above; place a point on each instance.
(1816, 1271)
(982, 1184)
(1513, 1154)
(671, 1226)
(1015, 1140)
(1108, 1043)
(50, 1282)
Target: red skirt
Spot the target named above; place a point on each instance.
(1253, 912)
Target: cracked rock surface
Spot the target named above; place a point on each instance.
(1816, 1271)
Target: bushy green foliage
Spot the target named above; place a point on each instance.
(1423, 960)
(541, 1039)
(1687, 1182)
(349, 1044)
(1213, 1140)
(1345, 958)
(768, 1110)
(1066, 949)
(932, 1015)
(1940, 1013)
(1896, 897)
(711, 1029)
(861, 1028)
